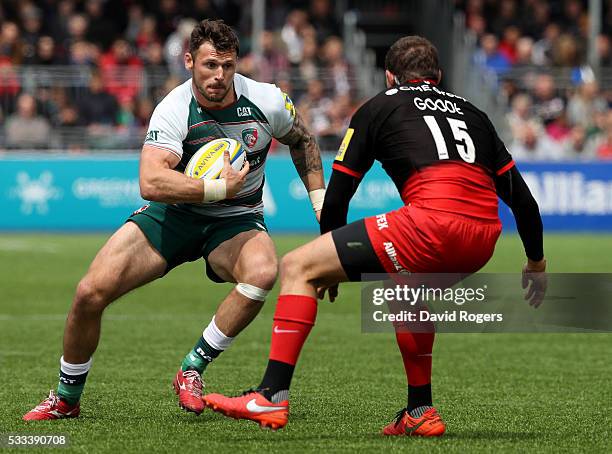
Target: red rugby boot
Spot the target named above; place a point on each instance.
(430, 424)
(188, 385)
(251, 405)
(52, 408)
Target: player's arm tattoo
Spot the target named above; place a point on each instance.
(305, 153)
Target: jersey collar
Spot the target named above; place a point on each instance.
(420, 81)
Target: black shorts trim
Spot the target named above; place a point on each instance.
(355, 251)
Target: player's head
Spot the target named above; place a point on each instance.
(411, 57)
(212, 58)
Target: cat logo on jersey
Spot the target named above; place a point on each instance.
(289, 105)
(345, 143)
(249, 137)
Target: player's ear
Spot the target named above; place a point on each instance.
(188, 58)
(439, 75)
(389, 78)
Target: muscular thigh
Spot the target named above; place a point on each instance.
(244, 256)
(125, 262)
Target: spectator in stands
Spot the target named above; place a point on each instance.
(26, 129)
(506, 16)
(543, 49)
(10, 43)
(310, 64)
(489, 56)
(9, 81)
(585, 104)
(565, 51)
(96, 106)
(507, 46)
(135, 15)
(32, 23)
(322, 18)
(548, 105)
(271, 62)
(535, 17)
(45, 52)
(533, 146)
(604, 147)
(57, 26)
(478, 24)
(101, 30)
(336, 67)
(77, 28)
(83, 53)
(521, 118)
(168, 17)
(578, 146)
(573, 13)
(175, 47)
(292, 34)
(524, 51)
(604, 49)
(317, 104)
(339, 115)
(121, 71)
(276, 13)
(560, 128)
(147, 34)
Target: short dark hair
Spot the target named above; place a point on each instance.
(413, 57)
(217, 33)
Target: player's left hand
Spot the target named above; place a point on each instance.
(534, 277)
(332, 292)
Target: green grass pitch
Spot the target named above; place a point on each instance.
(508, 392)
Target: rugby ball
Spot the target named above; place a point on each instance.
(207, 162)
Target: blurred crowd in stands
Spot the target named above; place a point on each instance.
(536, 51)
(88, 74)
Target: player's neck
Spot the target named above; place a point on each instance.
(202, 101)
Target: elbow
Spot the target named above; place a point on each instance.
(148, 190)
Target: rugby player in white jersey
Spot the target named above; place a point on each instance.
(221, 221)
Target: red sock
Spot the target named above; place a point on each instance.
(416, 351)
(293, 319)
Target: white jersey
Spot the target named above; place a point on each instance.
(181, 126)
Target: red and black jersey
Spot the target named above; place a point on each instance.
(440, 151)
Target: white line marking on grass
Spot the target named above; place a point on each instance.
(27, 246)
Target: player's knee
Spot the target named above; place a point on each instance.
(261, 273)
(90, 297)
(292, 266)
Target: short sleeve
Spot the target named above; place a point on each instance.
(355, 155)
(283, 114)
(167, 128)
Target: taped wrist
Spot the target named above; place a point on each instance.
(317, 197)
(214, 190)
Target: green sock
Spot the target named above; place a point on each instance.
(71, 394)
(200, 356)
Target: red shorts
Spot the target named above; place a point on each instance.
(420, 240)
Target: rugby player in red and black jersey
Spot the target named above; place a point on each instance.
(450, 166)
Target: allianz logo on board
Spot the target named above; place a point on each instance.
(570, 193)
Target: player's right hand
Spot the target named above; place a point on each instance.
(234, 180)
(331, 291)
(534, 277)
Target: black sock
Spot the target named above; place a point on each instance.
(419, 396)
(277, 378)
